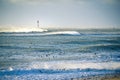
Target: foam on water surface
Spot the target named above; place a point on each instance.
(63, 33)
(29, 33)
(66, 65)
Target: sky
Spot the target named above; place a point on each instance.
(60, 13)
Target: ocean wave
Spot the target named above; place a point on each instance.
(93, 41)
(11, 47)
(84, 72)
(63, 67)
(42, 74)
(104, 47)
(63, 33)
(74, 65)
(73, 33)
(66, 65)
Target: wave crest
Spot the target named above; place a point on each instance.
(63, 33)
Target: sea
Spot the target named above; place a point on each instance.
(59, 54)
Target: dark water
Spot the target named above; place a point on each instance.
(59, 54)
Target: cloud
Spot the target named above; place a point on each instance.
(32, 1)
(59, 1)
(28, 1)
(45, 1)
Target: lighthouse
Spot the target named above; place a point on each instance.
(38, 26)
(38, 23)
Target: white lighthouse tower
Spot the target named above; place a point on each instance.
(38, 26)
(38, 23)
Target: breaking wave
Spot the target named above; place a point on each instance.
(67, 65)
(63, 33)
(64, 67)
(73, 33)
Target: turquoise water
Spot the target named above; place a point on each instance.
(59, 54)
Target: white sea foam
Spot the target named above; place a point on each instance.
(10, 68)
(73, 33)
(63, 32)
(74, 65)
(36, 29)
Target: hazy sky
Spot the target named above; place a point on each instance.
(62, 13)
